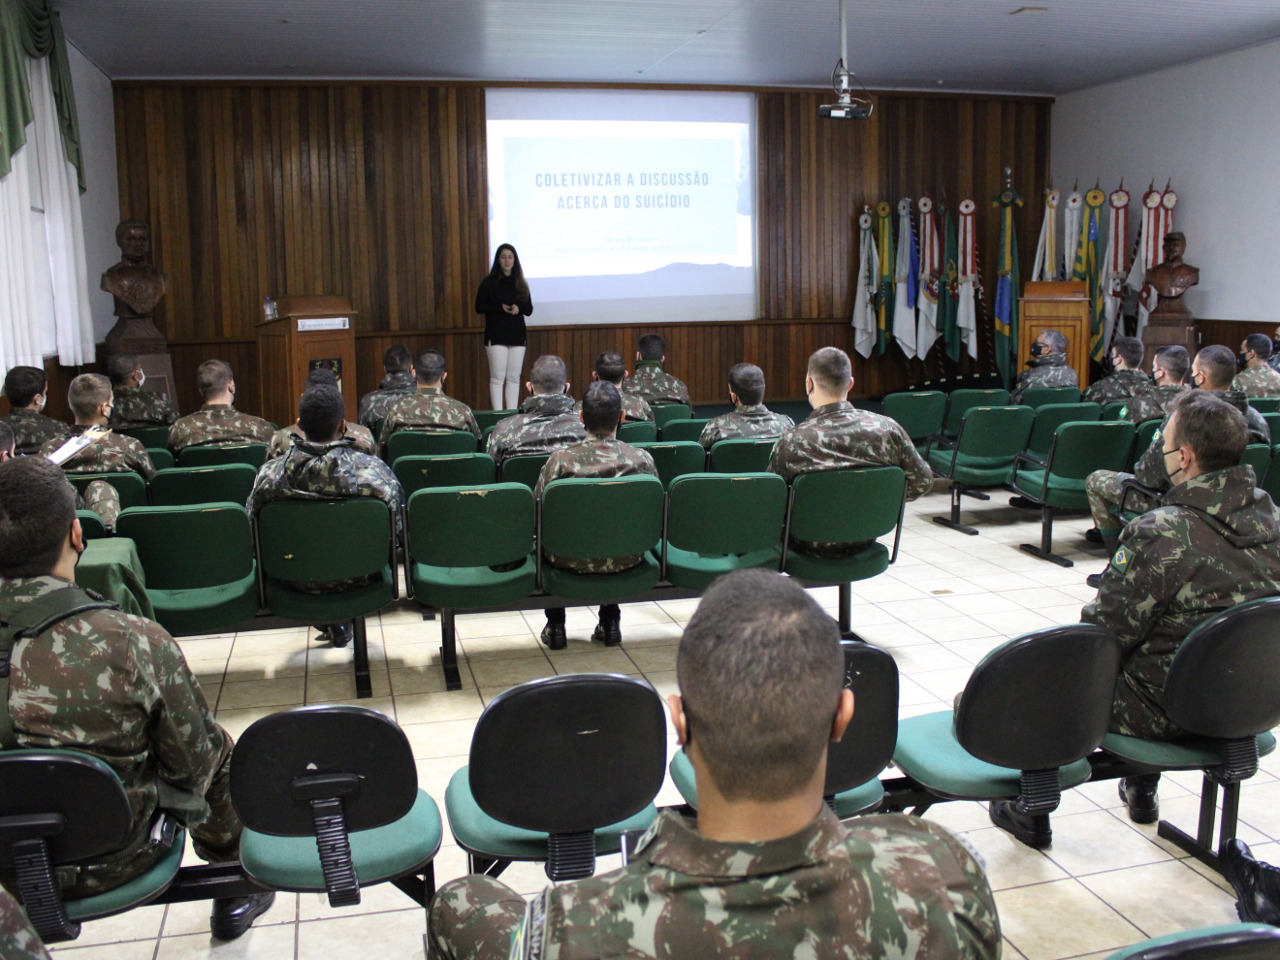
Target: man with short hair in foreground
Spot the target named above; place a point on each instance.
(766, 870)
(750, 419)
(115, 686)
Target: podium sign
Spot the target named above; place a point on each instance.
(308, 332)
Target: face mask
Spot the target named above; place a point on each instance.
(1037, 349)
(1275, 347)
(1242, 359)
(142, 378)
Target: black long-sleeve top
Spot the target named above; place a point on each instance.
(502, 328)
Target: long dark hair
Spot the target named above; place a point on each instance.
(517, 273)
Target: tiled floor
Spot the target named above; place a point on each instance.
(949, 599)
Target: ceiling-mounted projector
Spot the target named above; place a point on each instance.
(847, 106)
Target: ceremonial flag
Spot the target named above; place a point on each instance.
(1168, 200)
(930, 269)
(1147, 253)
(1006, 305)
(947, 290)
(1071, 234)
(967, 290)
(1086, 268)
(1114, 264)
(864, 311)
(906, 278)
(1046, 266)
(884, 297)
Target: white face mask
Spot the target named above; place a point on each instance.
(142, 378)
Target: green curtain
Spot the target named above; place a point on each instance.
(30, 28)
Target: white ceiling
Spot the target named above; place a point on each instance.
(945, 45)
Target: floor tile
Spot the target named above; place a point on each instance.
(1154, 897)
(1061, 918)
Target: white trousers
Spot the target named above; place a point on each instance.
(505, 364)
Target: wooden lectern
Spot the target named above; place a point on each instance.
(308, 332)
(1061, 306)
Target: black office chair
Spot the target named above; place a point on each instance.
(1235, 941)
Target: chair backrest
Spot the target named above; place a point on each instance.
(131, 487)
(684, 429)
(1223, 680)
(1078, 449)
(847, 506)
(1265, 405)
(148, 436)
(190, 547)
(1273, 422)
(419, 473)
(665, 412)
(711, 513)
(1113, 409)
(741, 456)
(254, 454)
(1236, 941)
(995, 434)
(867, 746)
(1050, 416)
(322, 540)
(638, 431)
(429, 443)
(490, 418)
(676, 458)
(1039, 396)
(287, 758)
(960, 401)
(175, 486)
(161, 458)
(570, 753)
(920, 413)
(1142, 437)
(595, 519)
(1042, 699)
(1258, 456)
(91, 525)
(523, 469)
(471, 526)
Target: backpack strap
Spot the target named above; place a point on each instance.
(20, 621)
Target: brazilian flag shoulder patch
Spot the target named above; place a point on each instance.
(1120, 560)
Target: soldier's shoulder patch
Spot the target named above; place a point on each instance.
(1120, 559)
(1124, 412)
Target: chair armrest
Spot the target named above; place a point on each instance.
(1025, 457)
(1131, 485)
(940, 439)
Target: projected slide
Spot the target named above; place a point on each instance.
(620, 217)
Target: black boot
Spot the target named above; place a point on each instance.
(553, 634)
(1257, 885)
(1034, 831)
(1139, 795)
(232, 916)
(609, 630)
(338, 634)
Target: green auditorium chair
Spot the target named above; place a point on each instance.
(318, 541)
(131, 487)
(330, 803)
(854, 506)
(919, 412)
(1143, 434)
(91, 525)
(254, 454)
(675, 459)
(419, 473)
(1056, 482)
(664, 413)
(854, 763)
(1039, 396)
(470, 547)
(1234, 941)
(741, 456)
(717, 523)
(559, 769)
(148, 436)
(1031, 713)
(523, 469)
(981, 455)
(1271, 482)
(1265, 405)
(681, 429)
(1273, 424)
(1114, 409)
(960, 401)
(1258, 456)
(161, 458)
(176, 486)
(638, 431)
(1048, 418)
(429, 443)
(487, 419)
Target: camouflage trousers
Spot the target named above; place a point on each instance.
(1134, 714)
(1104, 488)
(102, 498)
(474, 918)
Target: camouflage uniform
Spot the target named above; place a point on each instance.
(140, 408)
(1121, 385)
(634, 409)
(1274, 362)
(217, 424)
(650, 382)
(1213, 543)
(117, 687)
(31, 430)
(882, 886)
(102, 498)
(1153, 403)
(545, 423)
(374, 404)
(1046, 371)
(427, 407)
(1259, 381)
(18, 939)
(282, 442)
(326, 471)
(746, 423)
(595, 457)
(114, 453)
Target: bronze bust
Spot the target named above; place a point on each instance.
(135, 282)
(1172, 278)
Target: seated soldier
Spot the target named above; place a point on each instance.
(1048, 365)
(427, 407)
(1128, 378)
(360, 436)
(546, 421)
(750, 418)
(27, 389)
(324, 465)
(838, 435)
(99, 496)
(611, 368)
(84, 676)
(650, 382)
(601, 454)
(1256, 379)
(217, 423)
(397, 364)
(135, 407)
(765, 869)
(90, 399)
(1168, 371)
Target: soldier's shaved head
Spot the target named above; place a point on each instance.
(21, 384)
(120, 369)
(429, 367)
(1174, 361)
(760, 673)
(37, 507)
(1214, 430)
(831, 370)
(601, 408)
(320, 412)
(1130, 350)
(652, 347)
(87, 393)
(746, 380)
(213, 377)
(397, 359)
(548, 375)
(611, 367)
(1218, 365)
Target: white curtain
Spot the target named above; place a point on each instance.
(22, 264)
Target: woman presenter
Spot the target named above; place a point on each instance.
(504, 300)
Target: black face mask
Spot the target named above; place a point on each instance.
(1275, 347)
(1037, 349)
(1108, 365)
(1242, 359)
